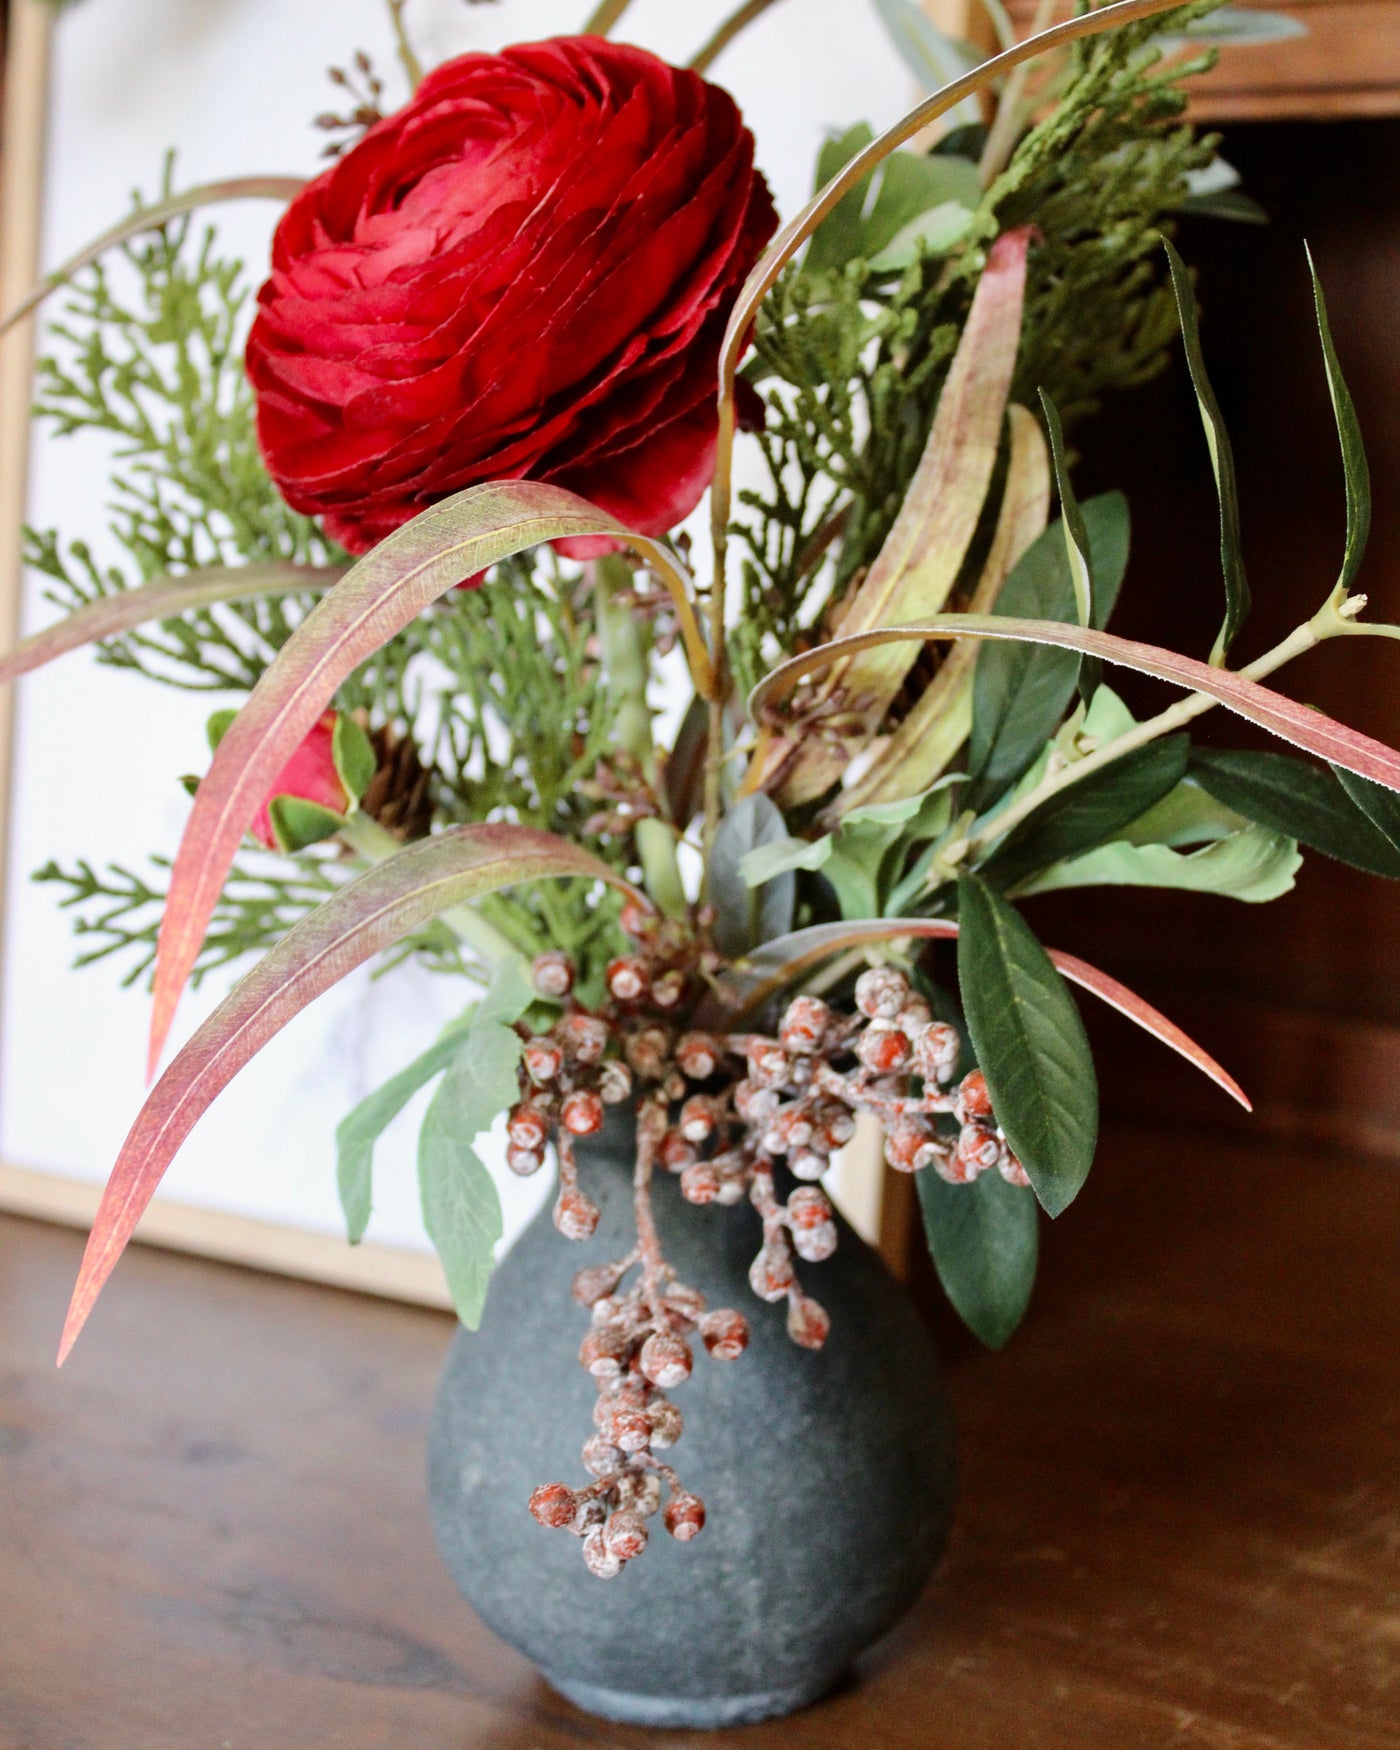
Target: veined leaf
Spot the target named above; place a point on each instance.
(1295, 797)
(1030, 1043)
(1020, 691)
(1356, 471)
(922, 556)
(1078, 551)
(387, 903)
(1376, 801)
(747, 913)
(911, 187)
(461, 1207)
(1074, 820)
(151, 218)
(746, 988)
(1222, 459)
(985, 1241)
(376, 599)
(1253, 865)
(1284, 717)
(111, 615)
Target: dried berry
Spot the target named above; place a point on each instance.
(700, 1182)
(884, 1050)
(543, 1059)
(648, 1050)
(600, 1457)
(582, 1113)
(666, 1359)
(524, 1161)
(666, 1423)
(805, 1023)
(575, 1215)
(974, 1100)
(602, 1563)
(627, 978)
(698, 1055)
(807, 1323)
(936, 1050)
(584, 1037)
(684, 1517)
(725, 1333)
(881, 992)
(614, 1083)
(553, 974)
(910, 1145)
(527, 1127)
(554, 1504)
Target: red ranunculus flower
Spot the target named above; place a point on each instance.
(524, 273)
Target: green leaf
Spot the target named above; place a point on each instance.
(931, 55)
(837, 239)
(297, 824)
(1310, 803)
(985, 1241)
(747, 915)
(217, 727)
(1380, 806)
(461, 1208)
(1030, 1043)
(1355, 469)
(913, 188)
(1254, 865)
(353, 755)
(1089, 812)
(1231, 204)
(364, 1124)
(1021, 691)
(1234, 26)
(1222, 459)
(931, 233)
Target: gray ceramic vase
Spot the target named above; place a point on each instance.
(827, 1477)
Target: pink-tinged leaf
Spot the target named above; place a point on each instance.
(1284, 717)
(750, 984)
(1137, 1009)
(151, 218)
(393, 899)
(380, 595)
(164, 599)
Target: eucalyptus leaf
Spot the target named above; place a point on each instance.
(1030, 1043)
(746, 916)
(1238, 27)
(1310, 803)
(1021, 691)
(985, 1241)
(891, 205)
(1253, 865)
(1090, 811)
(1222, 459)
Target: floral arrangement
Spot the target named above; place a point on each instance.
(420, 514)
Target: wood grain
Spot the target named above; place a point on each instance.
(1180, 1520)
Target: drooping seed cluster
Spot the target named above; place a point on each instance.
(726, 1114)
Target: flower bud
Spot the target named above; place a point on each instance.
(699, 1117)
(668, 990)
(648, 1051)
(524, 1161)
(808, 1324)
(584, 1037)
(625, 1534)
(311, 777)
(543, 1059)
(666, 1423)
(604, 1351)
(582, 1113)
(936, 1050)
(770, 1274)
(614, 1083)
(814, 1245)
(575, 1215)
(725, 1333)
(595, 1281)
(700, 1182)
(627, 978)
(804, 1025)
(883, 1049)
(600, 1457)
(554, 1504)
(698, 1055)
(910, 1145)
(881, 992)
(602, 1563)
(666, 1359)
(527, 1126)
(639, 1491)
(808, 1207)
(974, 1099)
(684, 1517)
(553, 974)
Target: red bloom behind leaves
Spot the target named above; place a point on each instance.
(310, 775)
(523, 273)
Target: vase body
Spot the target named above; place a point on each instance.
(827, 1476)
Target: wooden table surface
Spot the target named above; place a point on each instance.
(1180, 1516)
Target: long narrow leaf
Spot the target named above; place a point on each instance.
(111, 615)
(377, 598)
(1284, 717)
(1295, 797)
(1222, 459)
(151, 218)
(1078, 550)
(748, 987)
(1355, 469)
(380, 908)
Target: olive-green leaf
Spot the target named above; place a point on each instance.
(1356, 471)
(1313, 804)
(1380, 806)
(985, 1240)
(747, 915)
(1030, 1043)
(1078, 553)
(1021, 691)
(1222, 459)
(1252, 865)
(1087, 813)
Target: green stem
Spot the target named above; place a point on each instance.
(625, 663)
(727, 32)
(604, 16)
(411, 64)
(363, 833)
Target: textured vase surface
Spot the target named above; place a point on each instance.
(827, 1477)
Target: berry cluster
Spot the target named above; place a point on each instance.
(725, 1134)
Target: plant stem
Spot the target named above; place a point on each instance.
(604, 16)
(363, 833)
(727, 32)
(1006, 124)
(625, 662)
(411, 64)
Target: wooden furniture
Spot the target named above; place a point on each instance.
(1180, 1501)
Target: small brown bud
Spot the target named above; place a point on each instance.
(614, 1083)
(648, 1051)
(625, 1535)
(666, 1423)
(604, 1351)
(553, 974)
(627, 978)
(804, 1024)
(602, 1563)
(881, 992)
(554, 1504)
(524, 1161)
(584, 1037)
(543, 1060)
(808, 1324)
(668, 990)
(600, 1457)
(699, 1118)
(527, 1127)
(974, 1099)
(699, 1055)
(700, 1182)
(595, 1281)
(936, 1050)
(684, 1517)
(770, 1274)
(666, 1359)
(582, 1113)
(884, 1050)
(725, 1333)
(575, 1215)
